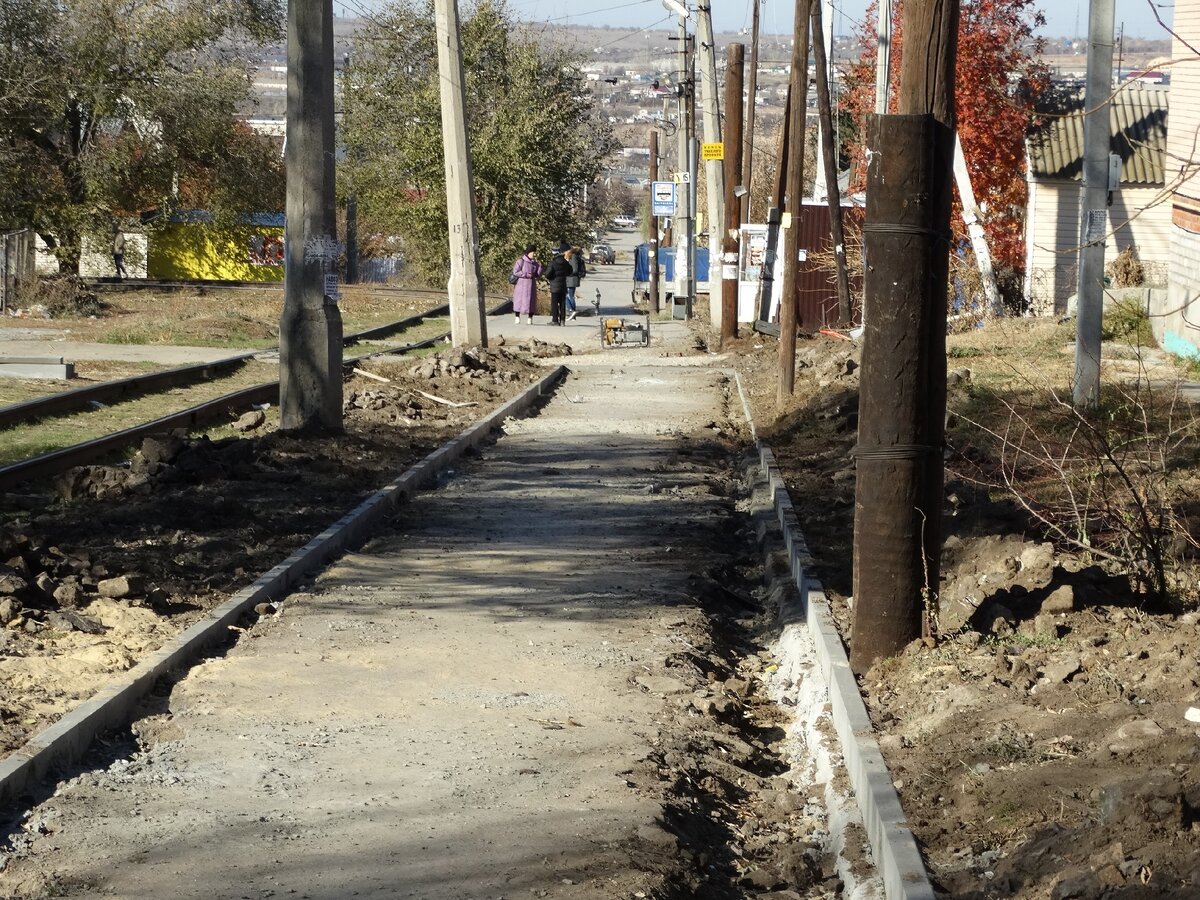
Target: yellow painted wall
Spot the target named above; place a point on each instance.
(203, 251)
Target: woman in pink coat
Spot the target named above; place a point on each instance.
(526, 270)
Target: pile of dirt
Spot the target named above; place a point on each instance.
(1048, 744)
(110, 561)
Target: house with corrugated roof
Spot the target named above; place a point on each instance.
(1139, 211)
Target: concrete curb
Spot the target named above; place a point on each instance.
(895, 849)
(112, 706)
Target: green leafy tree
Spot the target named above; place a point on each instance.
(535, 133)
(114, 107)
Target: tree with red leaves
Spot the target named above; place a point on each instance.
(998, 78)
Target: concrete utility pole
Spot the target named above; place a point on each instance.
(652, 249)
(794, 200)
(351, 198)
(766, 284)
(883, 56)
(713, 169)
(822, 35)
(310, 328)
(828, 153)
(751, 93)
(902, 396)
(1093, 210)
(468, 324)
(734, 65)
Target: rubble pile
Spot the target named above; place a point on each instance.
(164, 459)
(42, 587)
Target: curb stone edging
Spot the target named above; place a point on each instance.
(895, 849)
(67, 740)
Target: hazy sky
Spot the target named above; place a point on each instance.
(1063, 17)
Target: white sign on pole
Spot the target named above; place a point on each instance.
(662, 198)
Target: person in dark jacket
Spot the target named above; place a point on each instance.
(557, 274)
(578, 270)
(118, 252)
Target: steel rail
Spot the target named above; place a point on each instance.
(112, 391)
(57, 461)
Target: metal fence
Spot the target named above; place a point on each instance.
(381, 269)
(16, 265)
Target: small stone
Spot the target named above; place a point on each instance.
(249, 421)
(1135, 735)
(1061, 669)
(1044, 625)
(68, 594)
(1061, 600)
(46, 584)
(265, 609)
(121, 586)
(11, 582)
(68, 620)
(10, 608)
(1192, 715)
(161, 448)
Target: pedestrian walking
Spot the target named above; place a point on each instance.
(525, 273)
(557, 274)
(578, 271)
(118, 252)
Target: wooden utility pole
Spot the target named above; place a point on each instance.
(1093, 211)
(734, 63)
(713, 169)
(793, 201)
(828, 153)
(652, 249)
(902, 393)
(751, 94)
(468, 322)
(310, 328)
(683, 231)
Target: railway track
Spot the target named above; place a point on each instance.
(114, 391)
(199, 415)
(111, 285)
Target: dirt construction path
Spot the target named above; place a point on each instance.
(511, 693)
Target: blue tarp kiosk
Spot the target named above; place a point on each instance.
(666, 270)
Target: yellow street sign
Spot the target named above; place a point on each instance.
(711, 151)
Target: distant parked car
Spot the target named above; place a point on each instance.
(624, 223)
(602, 254)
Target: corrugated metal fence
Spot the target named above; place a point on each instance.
(16, 265)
